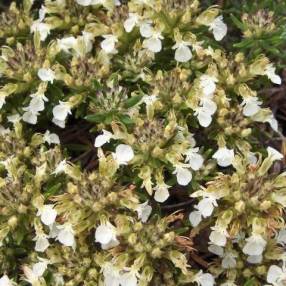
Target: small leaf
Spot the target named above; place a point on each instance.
(53, 190)
(249, 282)
(133, 100)
(96, 85)
(237, 23)
(96, 118)
(125, 119)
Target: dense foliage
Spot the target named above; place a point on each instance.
(139, 143)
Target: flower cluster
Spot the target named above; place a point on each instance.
(135, 146)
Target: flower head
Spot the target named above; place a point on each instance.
(40, 267)
(153, 43)
(61, 111)
(194, 159)
(251, 105)
(105, 234)
(255, 245)
(183, 52)
(51, 138)
(161, 193)
(48, 214)
(42, 242)
(123, 154)
(184, 176)
(144, 211)
(219, 28)
(5, 281)
(131, 22)
(46, 75)
(270, 73)
(274, 154)
(108, 44)
(100, 140)
(66, 235)
(204, 279)
(224, 156)
(276, 275)
(42, 28)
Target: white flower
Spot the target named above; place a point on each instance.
(14, 118)
(224, 156)
(111, 275)
(255, 245)
(123, 154)
(254, 259)
(59, 280)
(100, 140)
(218, 250)
(54, 230)
(84, 2)
(131, 22)
(228, 260)
(66, 44)
(161, 193)
(105, 234)
(183, 52)
(281, 237)
(60, 123)
(42, 28)
(42, 243)
(30, 117)
(219, 28)
(37, 103)
(2, 101)
(218, 236)
(48, 214)
(270, 73)
(146, 29)
(5, 281)
(40, 267)
(251, 158)
(184, 176)
(66, 235)
(208, 84)
(204, 116)
(194, 159)
(274, 154)
(108, 44)
(30, 277)
(276, 275)
(195, 218)
(4, 131)
(42, 13)
(144, 211)
(154, 43)
(273, 122)
(83, 44)
(46, 75)
(206, 206)
(207, 106)
(251, 105)
(128, 278)
(51, 138)
(61, 111)
(61, 167)
(204, 279)
(149, 99)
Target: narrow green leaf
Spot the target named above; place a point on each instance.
(133, 100)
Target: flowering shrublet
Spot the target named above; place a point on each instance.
(113, 113)
(241, 233)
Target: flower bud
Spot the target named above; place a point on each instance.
(13, 221)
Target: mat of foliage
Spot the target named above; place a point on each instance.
(141, 143)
